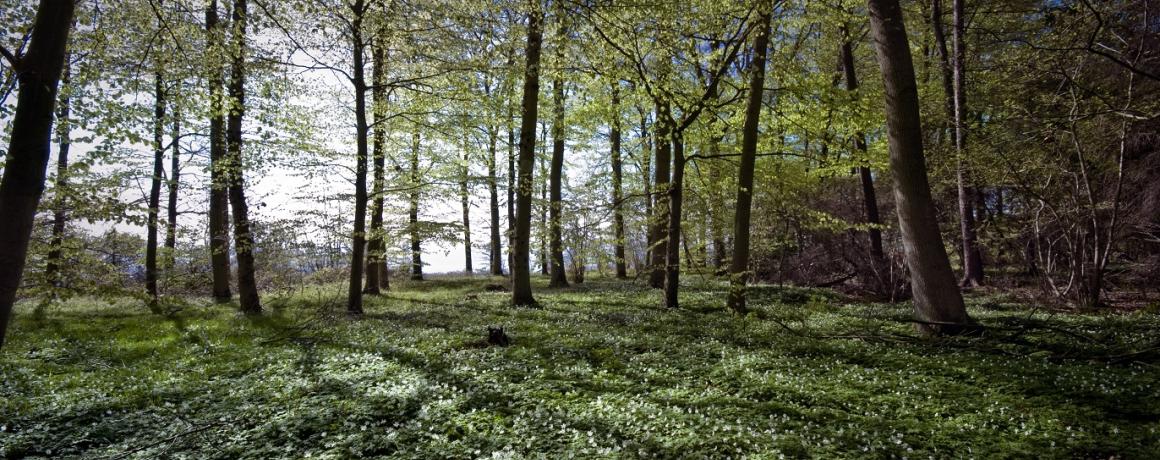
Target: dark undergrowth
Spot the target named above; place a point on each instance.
(600, 370)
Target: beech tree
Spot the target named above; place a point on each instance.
(219, 247)
(556, 170)
(53, 265)
(378, 275)
(937, 302)
(876, 277)
(248, 298)
(358, 11)
(26, 161)
(529, 109)
(739, 268)
(159, 124)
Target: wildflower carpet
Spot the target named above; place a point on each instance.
(599, 371)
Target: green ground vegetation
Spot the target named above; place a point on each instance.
(600, 371)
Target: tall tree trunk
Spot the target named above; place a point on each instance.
(716, 224)
(555, 179)
(496, 257)
(937, 301)
(174, 185)
(354, 299)
(248, 298)
(151, 274)
(26, 163)
(219, 214)
(869, 197)
(521, 278)
(413, 213)
(972, 259)
(660, 238)
(739, 266)
(676, 199)
(617, 179)
(544, 263)
(52, 269)
(646, 181)
(940, 39)
(376, 261)
(511, 192)
(465, 201)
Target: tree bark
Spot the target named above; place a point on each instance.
(511, 192)
(26, 164)
(354, 299)
(521, 278)
(496, 256)
(739, 265)
(937, 301)
(154, 203)
(940, 39)
(465, 201)
(55, 262)
(555, 179)
(413, 212)
(659, 231)
(676, 199)
(972, 259)
(716, 223)
(376, 261)
(219, 214)
(543, 232)
(248, 298)
(171, 194)
(646, 182)
(617, 180)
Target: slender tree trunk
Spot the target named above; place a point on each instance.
(153, 216)
(646, 181)
(716, 222)
(617, 179)
(219, 214)
(739, 266)
(376, 261)
(174, 184)
(26, 163)
(496, 256)
(972, 259)
(869, 197)
(465, 201)
(660, 239)
(413, 214)
(243, 239)
(544, 263)
(676, 199)
(555, 179)
(940, 38)
(511, 192)
(52, 269)
(937, 301)
(870, 203)
(354, 299)
(521, 278)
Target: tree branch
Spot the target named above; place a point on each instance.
(13, 60)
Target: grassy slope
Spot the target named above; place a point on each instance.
(600, 371)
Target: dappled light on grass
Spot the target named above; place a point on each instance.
(599, 371)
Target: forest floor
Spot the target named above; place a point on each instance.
(599, 371)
